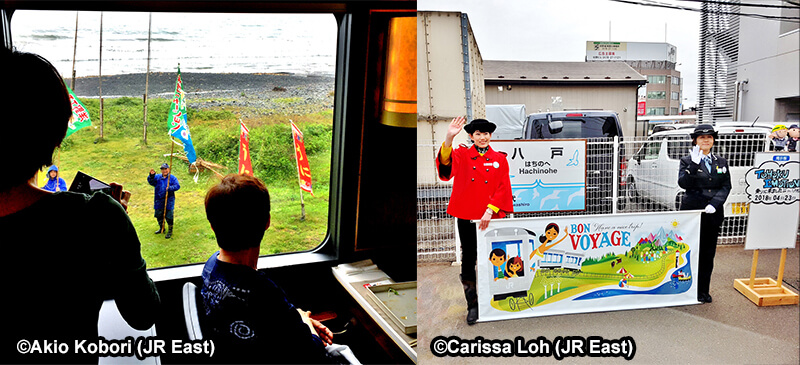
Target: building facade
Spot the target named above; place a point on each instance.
(749, 65)
(656, 61)
(558, 86)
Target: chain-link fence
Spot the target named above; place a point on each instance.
(624, 175)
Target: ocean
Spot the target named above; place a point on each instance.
(301, 44)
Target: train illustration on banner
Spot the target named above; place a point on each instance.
(516, 254)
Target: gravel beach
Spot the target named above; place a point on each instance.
(253, 94)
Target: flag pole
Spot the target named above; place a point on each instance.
(302, 207)
(147, 79)
(166, 194)
(74, 50)
(100, 76)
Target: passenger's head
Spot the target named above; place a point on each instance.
(497, 256)
(514, 265)
(238, 210)
(38, 111)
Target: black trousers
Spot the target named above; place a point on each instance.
(469, 249)
(709, 233)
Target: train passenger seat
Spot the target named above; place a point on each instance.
(190, 313)
(112, 326)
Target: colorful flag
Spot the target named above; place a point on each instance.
(245, 167)
(303, 171)
(177, 120)
(80, 116)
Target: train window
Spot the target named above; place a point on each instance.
(257, 70)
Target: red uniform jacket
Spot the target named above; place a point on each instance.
(479, 181)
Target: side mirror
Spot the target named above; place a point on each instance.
(555, 126)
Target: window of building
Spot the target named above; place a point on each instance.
(655, 111)
(675, 95)
(676, 80)
(656, 79)
(673, 111)
(263, 69)
(656, 94)
(789, 10)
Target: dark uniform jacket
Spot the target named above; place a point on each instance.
(703, 188)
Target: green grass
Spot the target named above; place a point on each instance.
(287, 100)
(123, 157)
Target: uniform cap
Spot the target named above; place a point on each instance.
(482, 125)
(704, 129)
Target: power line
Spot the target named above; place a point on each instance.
(678, 7)
(750, 5)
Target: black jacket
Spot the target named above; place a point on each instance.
(701, 187)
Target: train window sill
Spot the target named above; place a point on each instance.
(264, 262)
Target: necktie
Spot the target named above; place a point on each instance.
(707, 161)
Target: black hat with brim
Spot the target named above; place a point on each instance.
(482, 125)
(704, 130)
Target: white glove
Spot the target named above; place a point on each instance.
(696, 154)
(710, 209)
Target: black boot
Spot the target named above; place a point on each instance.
(169, 232)
(160, 227)
(471, 294)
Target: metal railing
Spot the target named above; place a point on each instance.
(624, 175)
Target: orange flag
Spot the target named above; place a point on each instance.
(303, 171)
(245, 167)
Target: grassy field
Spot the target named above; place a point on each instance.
(121, 156)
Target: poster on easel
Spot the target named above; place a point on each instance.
(773, 190)
(530, 267)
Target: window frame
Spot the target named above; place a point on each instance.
(353, 22)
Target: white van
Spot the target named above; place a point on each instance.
(652, 172)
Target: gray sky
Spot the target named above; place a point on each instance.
(557, 30)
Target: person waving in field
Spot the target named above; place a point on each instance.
(164, 205)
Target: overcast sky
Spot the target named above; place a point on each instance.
(557, 30)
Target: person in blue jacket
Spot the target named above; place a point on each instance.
(164, 183)
(54, 182)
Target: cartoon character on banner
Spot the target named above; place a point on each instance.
(498, 257)
(515, 267)
(507, 249)
(550, 234)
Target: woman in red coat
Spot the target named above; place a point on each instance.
(481, 191)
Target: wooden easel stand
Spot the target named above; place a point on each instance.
(766, 292)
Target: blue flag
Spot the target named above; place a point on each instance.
(177, 120)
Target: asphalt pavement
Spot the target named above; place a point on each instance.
(731, 330)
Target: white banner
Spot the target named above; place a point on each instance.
(773, 189)
(546, 175)
(530, 267)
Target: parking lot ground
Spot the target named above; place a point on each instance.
(731, 330)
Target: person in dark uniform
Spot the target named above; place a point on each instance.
(707, 180)
(481, 191)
